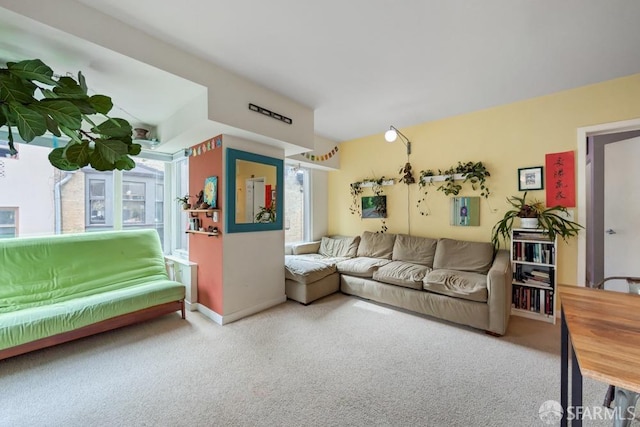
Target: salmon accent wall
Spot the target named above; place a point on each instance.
(204, 250)
(504, 138)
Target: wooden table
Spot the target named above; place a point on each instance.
(604, 328)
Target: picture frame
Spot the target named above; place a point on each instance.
(530, 178)
(374, 207)
(465, 211)
(211, 191)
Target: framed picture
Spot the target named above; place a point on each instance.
(374, 207)
(211, 191)
(530, 178)
(465, 211)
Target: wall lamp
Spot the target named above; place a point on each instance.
(392, 134)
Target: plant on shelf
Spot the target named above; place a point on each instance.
(380, 204)
(355, 189)
(424, 182)
(184, 200)
(552, 220)
(475, 173)
(34, 100)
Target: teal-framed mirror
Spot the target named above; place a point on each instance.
(254, 193)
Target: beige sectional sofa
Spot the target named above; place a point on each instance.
(455, 280)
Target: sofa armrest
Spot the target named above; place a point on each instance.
(305, 248)
(499, 290)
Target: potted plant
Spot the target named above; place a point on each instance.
(266, 214)
(552, 220)
(185, 201)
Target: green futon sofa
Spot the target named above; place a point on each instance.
(58, 288)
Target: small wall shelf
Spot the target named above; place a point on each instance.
(208, 233)
(438, 178)
(386, 182)
(207, 212)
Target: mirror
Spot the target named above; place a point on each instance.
(254, 193)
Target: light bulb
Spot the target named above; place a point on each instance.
(391, 135)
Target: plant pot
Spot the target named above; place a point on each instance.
(186, 206)
(528, 222)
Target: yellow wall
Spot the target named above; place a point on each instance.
(504, 138)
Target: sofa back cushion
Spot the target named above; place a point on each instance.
(376, 245)
(417, 250)
(339, 246)
(462, 255)
(44, 270)
(304, 248)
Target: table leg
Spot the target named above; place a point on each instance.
(564, 368)
(576, 390)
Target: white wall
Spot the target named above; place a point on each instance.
(253, 262)
(228, 93)
(28, 185)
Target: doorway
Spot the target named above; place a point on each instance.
(255, 198)
(592, 203)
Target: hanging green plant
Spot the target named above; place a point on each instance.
(34, 100)
(406, 174)
(424, 183)
(380, 203)
(449, 185)
(476, 174)
(355, 189)
(454, 178)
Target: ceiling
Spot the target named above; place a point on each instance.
(362, 65)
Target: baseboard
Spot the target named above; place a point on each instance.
(207, 312)
(228, 318)
(190, 306)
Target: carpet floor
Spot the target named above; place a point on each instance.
(340, 361)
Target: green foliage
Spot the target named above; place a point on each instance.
(552, 220)
(474, 173)
(35, 101)
(266, 214)
(355, 189)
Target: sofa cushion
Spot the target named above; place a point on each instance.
(361, 266)
(402, 273)
(376, 245)
(417, 250)
(339, 246)
(305, 248)
(304, 270)
(461, 255)
(461, 284)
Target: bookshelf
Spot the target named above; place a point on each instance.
(533, 259)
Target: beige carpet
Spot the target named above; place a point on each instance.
(340, 361)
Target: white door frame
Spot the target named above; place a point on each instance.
(582, 134)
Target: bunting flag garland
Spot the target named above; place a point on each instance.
(322, 158)
(208, 145)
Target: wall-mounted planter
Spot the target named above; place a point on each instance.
(438, 178)
(386, 182)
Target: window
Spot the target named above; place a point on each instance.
(159, 214)
(296, 197)
(97, 206)
(180, 238)
(8, 222)
(133, 202)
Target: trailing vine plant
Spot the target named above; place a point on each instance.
(474, 173)
(356, 189)
(380, 206)
(424, 182)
